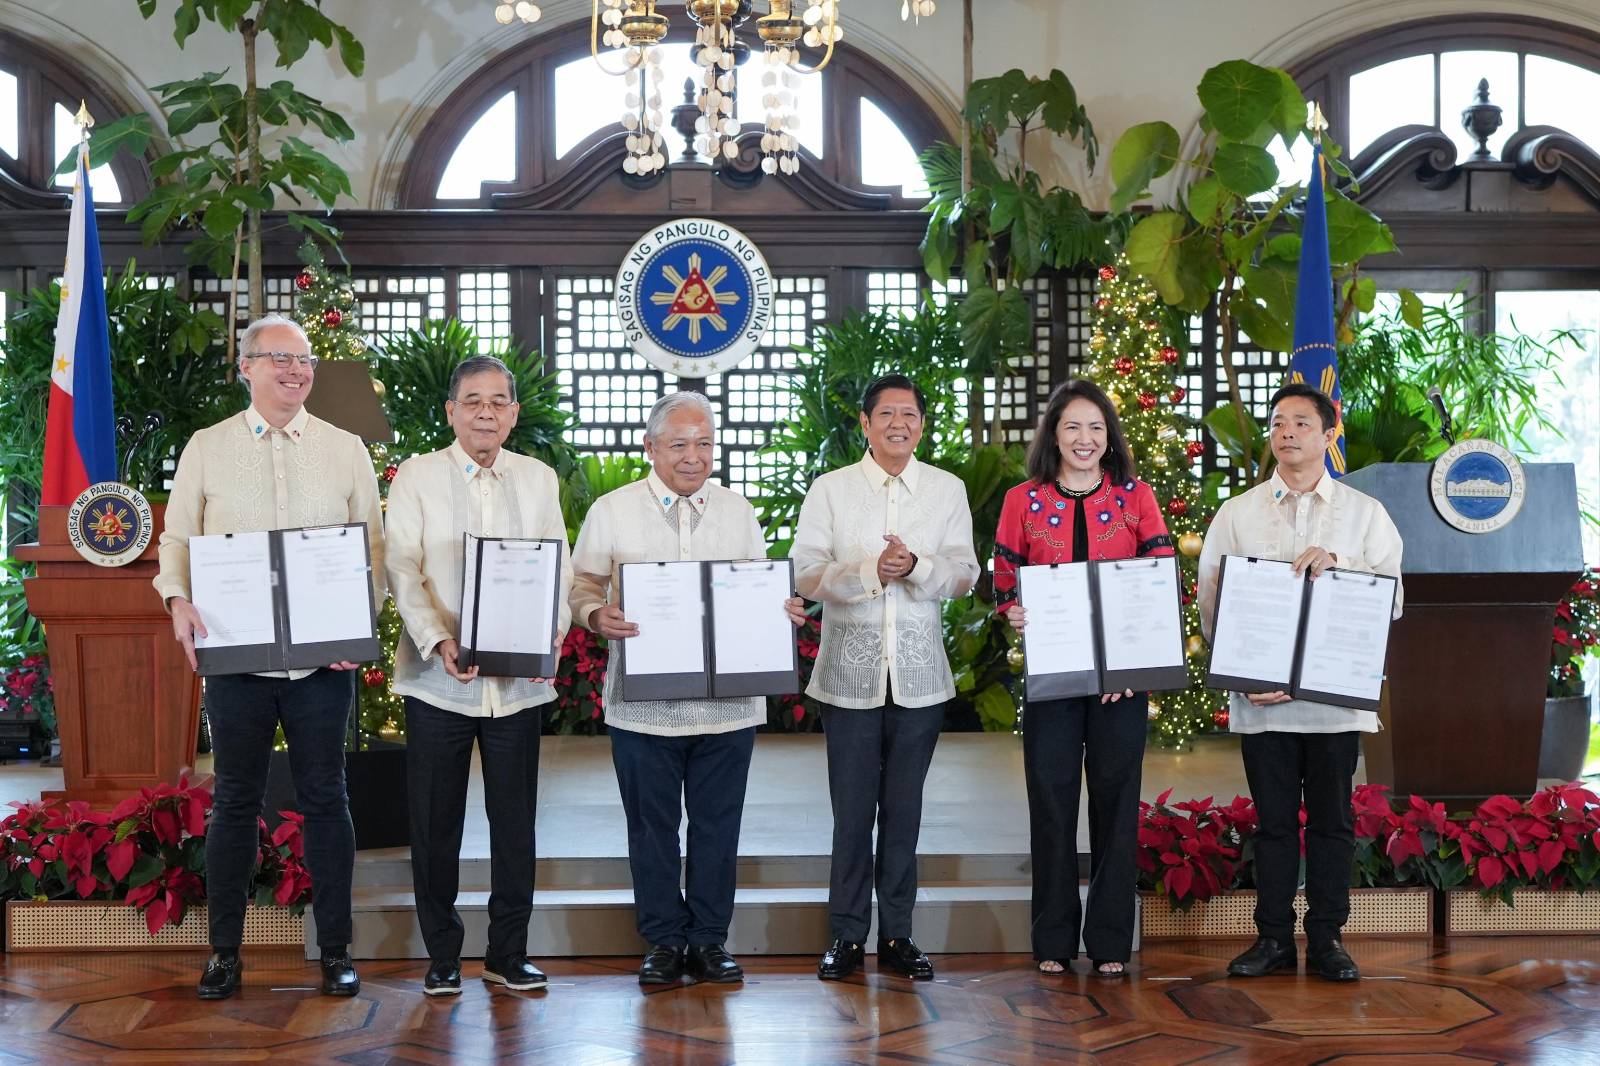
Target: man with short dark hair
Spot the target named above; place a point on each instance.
(473, 486)
(882, 543)
(272, 466)
(1295, 750)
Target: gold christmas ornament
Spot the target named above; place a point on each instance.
(1154, 711)
(1190, 544)
(1014, 658)
(1194, 645)
(380, 388)
(1097, 341)
(389, 730)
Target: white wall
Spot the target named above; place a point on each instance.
(1131, 60)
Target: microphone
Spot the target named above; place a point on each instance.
(1437, 399)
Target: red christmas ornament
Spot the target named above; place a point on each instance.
(390, 471)
(1220, 718)
(1177, 507)
(1101, 304)
(1123, 366)
(1195, 449)
(1147, 400)
(1151, 326)
(331, 318)
(1169, 355)
(375, 677)
(303, 281)
(1107, 273)
(1177, 394)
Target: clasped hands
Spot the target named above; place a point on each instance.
(896, 561)
(1315, 560)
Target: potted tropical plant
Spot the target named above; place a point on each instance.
(1574, 640)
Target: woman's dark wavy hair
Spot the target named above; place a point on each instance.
(1044, 454)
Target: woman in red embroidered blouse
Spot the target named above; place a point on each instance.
(1080, 502)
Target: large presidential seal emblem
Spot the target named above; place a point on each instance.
(1477, 486)
(694, 297)
(109, 523)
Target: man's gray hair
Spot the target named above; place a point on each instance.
(656, 424)
(479, 364)
(252, 332)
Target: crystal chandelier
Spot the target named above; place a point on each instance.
(634, 30)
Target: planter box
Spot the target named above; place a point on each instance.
(1373, 912)
(96, 925)
(1532, 910)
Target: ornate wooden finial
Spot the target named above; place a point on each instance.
(1318, 123)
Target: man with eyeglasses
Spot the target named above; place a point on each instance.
(273, 466)
(473, 486)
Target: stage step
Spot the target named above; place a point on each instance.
(950, 918)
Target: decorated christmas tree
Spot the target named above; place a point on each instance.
(1136, 356)
(326, 308)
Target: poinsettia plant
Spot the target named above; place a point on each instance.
(28, 692)
(1575, 637)
(580, 683)
(1193, 850)
(1411, 843)
(1551, 841)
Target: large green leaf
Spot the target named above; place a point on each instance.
(995, 324)
(997, 709)
(938, 247)
(1142, 154)
(130, 132)
(1208, 200)
(1223, 423)
(1354, 232)
(1238, 97)
(1264, 327)
(1153, 250)
(1289, 117)
(1245, 169)
(1273, 283)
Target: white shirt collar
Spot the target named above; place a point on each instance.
(1280, 489)
(878, 477)
(665, 497)
(468, 467)
(260, 427)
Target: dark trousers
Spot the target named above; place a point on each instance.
(1283, 769)
(244, 712)
(1061, 741)
(438, 763)
(659, 777)
(877, 762)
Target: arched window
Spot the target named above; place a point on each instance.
(39, 96)
(544, 114)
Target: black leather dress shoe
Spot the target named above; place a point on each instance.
(515, 973)
(1332, 962)
(711, 962)
(662, 965)
(443, 979)
(224, 970)
(339, 974)
(1265, 956)
(840, 960)
(905, 959)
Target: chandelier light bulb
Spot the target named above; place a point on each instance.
(504, 14)
(528, 12)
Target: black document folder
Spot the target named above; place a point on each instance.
(501, 662)
(703, 679)
(280, 653)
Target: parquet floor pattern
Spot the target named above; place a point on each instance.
(1423, 1002)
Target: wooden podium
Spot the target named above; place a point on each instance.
(1469, 658)
(127, 704)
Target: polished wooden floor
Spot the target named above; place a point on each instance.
(1469, 1000)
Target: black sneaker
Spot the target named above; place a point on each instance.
(443, 979)
(517, 974)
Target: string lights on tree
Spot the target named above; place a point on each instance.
(1135, 356)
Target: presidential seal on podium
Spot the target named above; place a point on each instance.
(694, 297)
(1477, 486)
(110, 523)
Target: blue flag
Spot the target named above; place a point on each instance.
(1315, 357)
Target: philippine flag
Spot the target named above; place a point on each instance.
(80, 446)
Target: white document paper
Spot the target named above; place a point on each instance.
(1140, 614)
(1059, 636)
(230, 584)
(327, 585)
(515, 596)
(663, 600)
(1347, 634)
(1258, 619)
(751, 631)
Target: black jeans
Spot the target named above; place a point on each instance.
(438, 764)
(877, 762)
(1061, 740)
(659, 777)
(1281, 769)
(244, 711)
